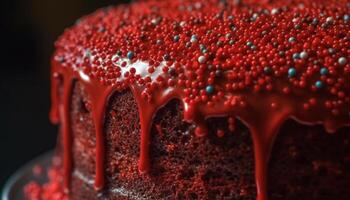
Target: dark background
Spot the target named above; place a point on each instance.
(28, 29)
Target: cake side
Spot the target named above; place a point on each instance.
(306, 163)
(184, 166)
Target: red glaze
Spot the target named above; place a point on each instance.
(266, 64)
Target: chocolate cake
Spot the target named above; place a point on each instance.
(195, 99)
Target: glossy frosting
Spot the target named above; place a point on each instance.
(261, 62)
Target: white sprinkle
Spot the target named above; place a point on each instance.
(201, 59)
(330, 20)
(275, 11)
(342, 61)
(303, 55)
(156, 21)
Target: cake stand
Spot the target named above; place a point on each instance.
(13, 189)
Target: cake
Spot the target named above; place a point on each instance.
(195, 99)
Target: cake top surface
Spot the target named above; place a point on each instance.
(219, 51)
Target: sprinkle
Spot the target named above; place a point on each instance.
(296, 56)
(275, 11)
(329, 20)
(323, 71)
(130, 55)
(193, 39)
(159, 42)
(254, 17)
(331, 51)
(201, 59)
(292, 39)
(303, 55)
(209, 89)
(314, 21)
(319, 84)
(156, 21)
(166, 57)
(346, 18)
(176, 38)
(292, 72)
(267, 70)
(218, 73)
(342, 61)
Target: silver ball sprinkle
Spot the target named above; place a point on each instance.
(331, 50)
(201, 59)
(292, 39)
(342, 61)
(303, 55)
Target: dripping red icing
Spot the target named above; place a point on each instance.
(260, 63)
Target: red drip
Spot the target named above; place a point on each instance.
(64, 111)
(146, 113)
(99, 96)
(54, 113)
(264, 134)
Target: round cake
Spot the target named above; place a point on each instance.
(195, 99)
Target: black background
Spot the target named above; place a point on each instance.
(28, 29)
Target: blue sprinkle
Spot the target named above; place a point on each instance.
(292, 72)
(346, 18)
(130, 55)
(319, 84)
(323, 71)
(194, 39)
(249, 43)
(209, 89)
(176, 38)
(296, 56)
(314, 21)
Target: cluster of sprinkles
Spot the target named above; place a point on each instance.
(304, 44)
(243, 57)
